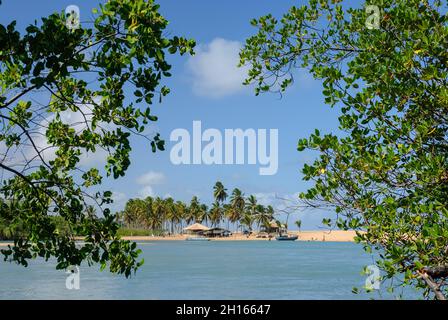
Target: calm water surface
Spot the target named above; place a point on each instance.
(208, 270)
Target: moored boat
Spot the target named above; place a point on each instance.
(286, 238)
(197, 239)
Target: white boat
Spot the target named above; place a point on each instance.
(197, 239)
(286, 238)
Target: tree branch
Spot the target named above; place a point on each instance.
(433, 286)
(17, 96)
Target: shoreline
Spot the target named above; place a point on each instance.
(311, 235)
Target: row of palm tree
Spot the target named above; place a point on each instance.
(170, 215)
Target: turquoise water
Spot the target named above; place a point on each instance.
(208, 270)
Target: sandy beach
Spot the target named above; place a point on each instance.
(315, 235)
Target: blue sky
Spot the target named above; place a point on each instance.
(207, 88)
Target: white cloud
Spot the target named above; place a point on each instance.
(118, 196)
(214, 69)
(119, 199)
(146, 191)
(147, 181)
(151, 177)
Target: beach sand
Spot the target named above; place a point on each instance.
(326, 235)
(315, 235)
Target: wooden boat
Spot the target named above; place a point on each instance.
(286, 238)
(197, 239)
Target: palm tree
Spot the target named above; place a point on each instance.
(181, 212)
(134, 213)
(158, 214)
(215, 214)
(237, 199)
(149, 212)
(299, 224)
(237, 203)
(203, 214)
(231, 214)
(263, 215)
(193, 210)
(269, 216)
(219, 192)
(252, 205)
(170, 213)
(247, 220)
(259, 214)
(270, 212)
(228, 214)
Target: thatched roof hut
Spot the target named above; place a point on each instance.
(276, 224)
(196, 227)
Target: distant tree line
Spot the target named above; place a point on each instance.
(162, 215)
(170, 215)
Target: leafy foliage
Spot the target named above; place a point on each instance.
(85, 74)
(387, 173)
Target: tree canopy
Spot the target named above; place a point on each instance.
(64, 94)
(386, 171)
